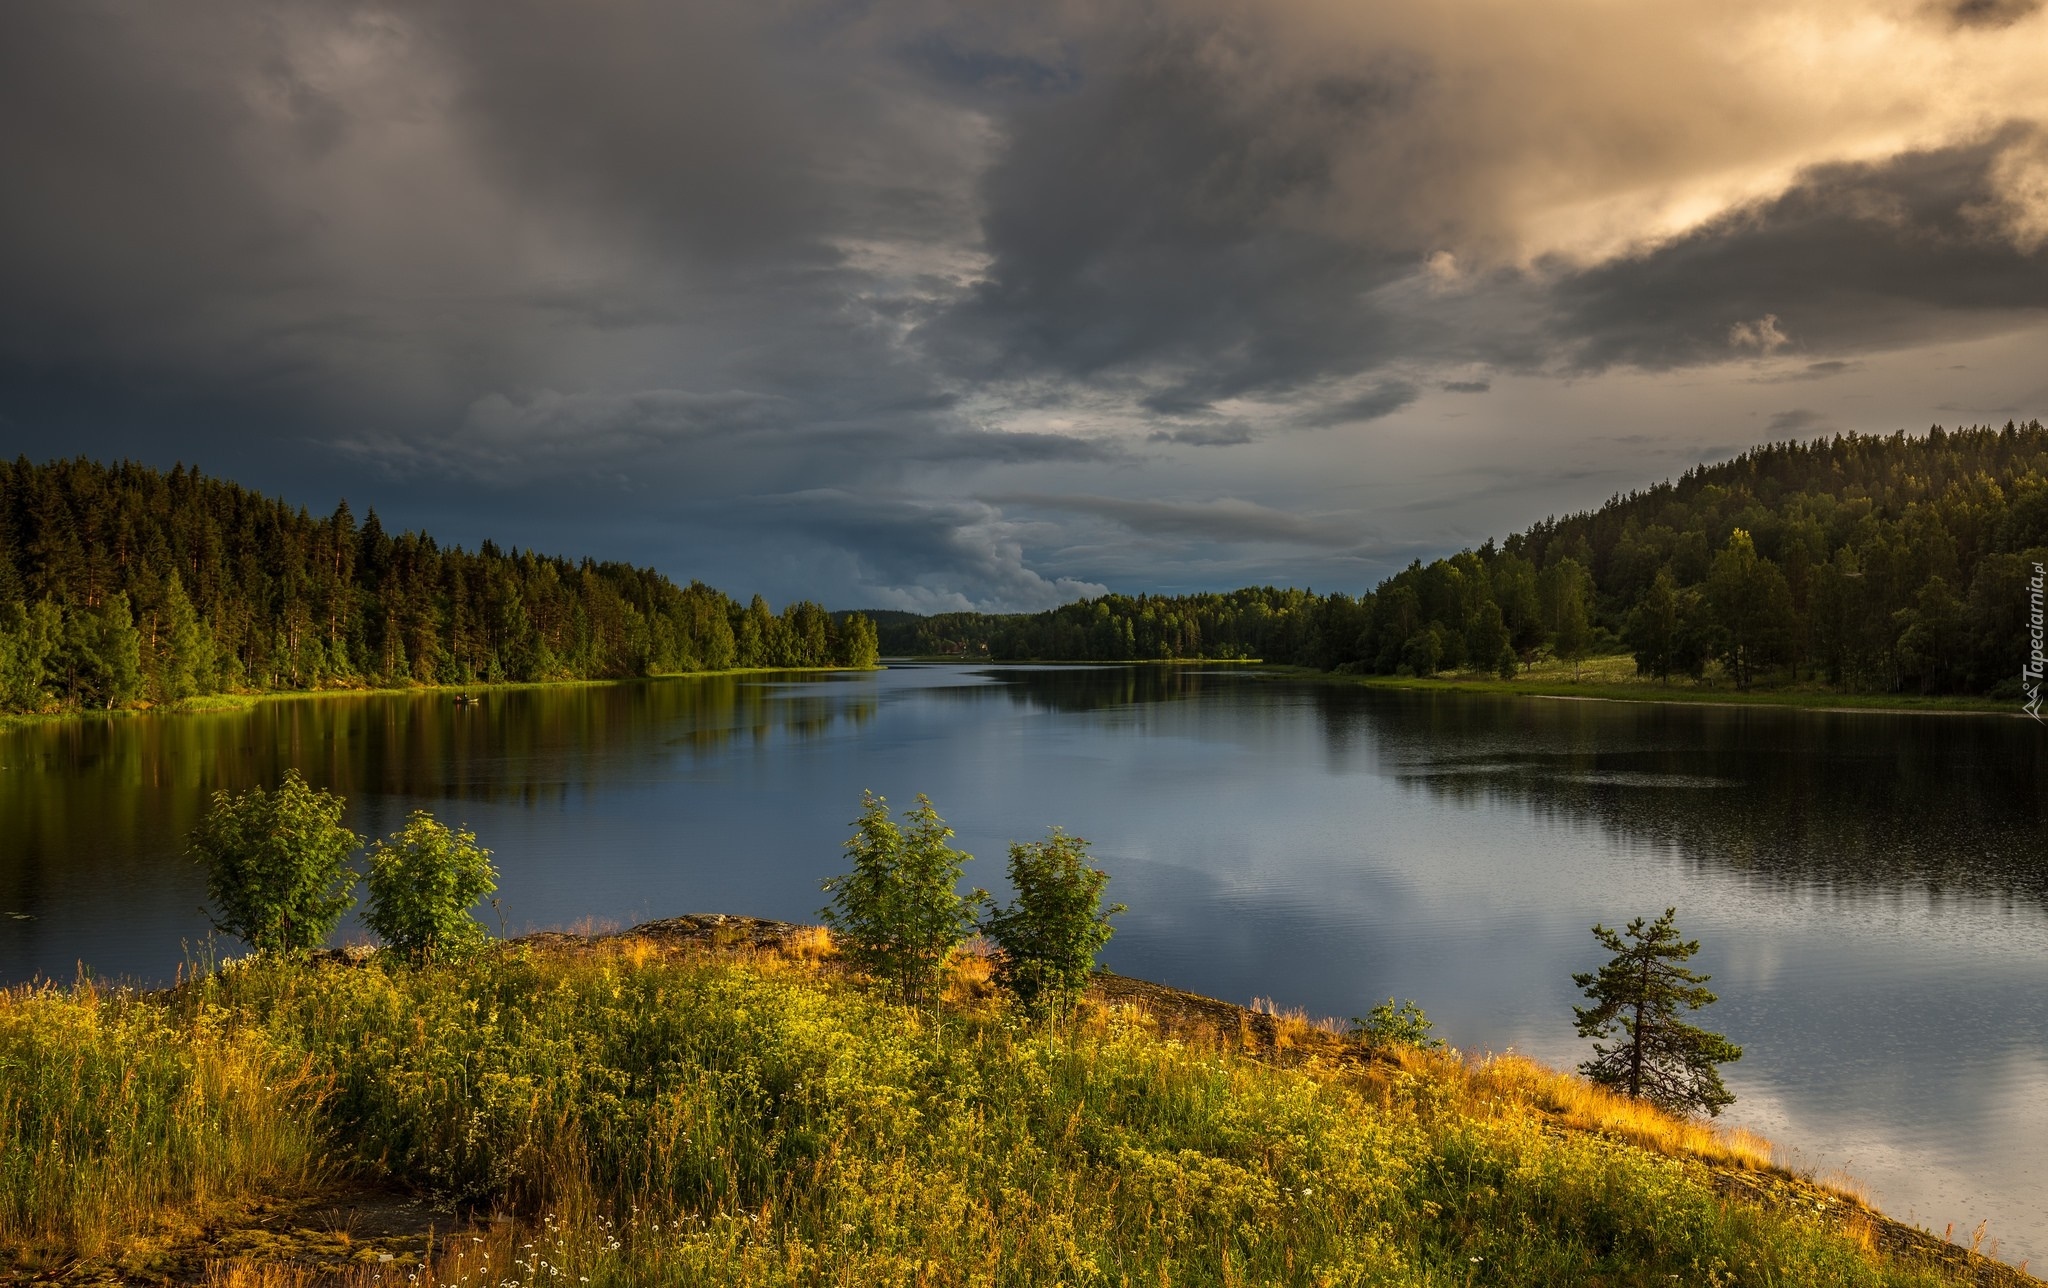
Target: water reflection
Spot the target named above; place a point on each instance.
(93, 812)
(1953, 806)
(1872, 890)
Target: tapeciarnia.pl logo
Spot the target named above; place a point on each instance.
(2030, 674)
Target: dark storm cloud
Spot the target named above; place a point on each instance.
(1156, 225)
(1224, 519)
(767, 284)
(1987, 13)
(1230, 433)
(1795, 421)
(1851, 256)
(1383, 399)
(916, 553)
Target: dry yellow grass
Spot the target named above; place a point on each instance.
(1576, 1103)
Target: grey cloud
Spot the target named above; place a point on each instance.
(1825, 370)
(1794, 421)
(1466, 386)
(1381, 400)
(510, 437)
(1853, 255)
(921, 555)
(1224, 434)
(607, 267)
(1986, 13)
(1224, 519)
(1157, 224)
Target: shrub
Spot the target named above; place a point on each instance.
(1051, 932)
(276, 865)
(423, 882)
(1389, 1024)
(899, 912)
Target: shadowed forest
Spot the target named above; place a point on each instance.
(1870, 564)
(121, 585)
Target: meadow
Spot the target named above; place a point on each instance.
(1613, 677)
(641, 1111)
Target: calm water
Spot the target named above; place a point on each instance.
(1872, 890)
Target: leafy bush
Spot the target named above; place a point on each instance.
(1051, 932)
(899, 912)
(694, 1119)
(276, 864)
(423, 882)
(1390, 1025)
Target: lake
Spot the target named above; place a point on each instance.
(1871, 890)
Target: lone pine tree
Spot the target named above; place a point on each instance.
(1655, 1056)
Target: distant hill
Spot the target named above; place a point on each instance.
(1892, 563)
(122, 585)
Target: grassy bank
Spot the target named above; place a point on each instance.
(1614, 679)
(215, 703)
(647, 1110)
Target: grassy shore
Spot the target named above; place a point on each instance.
(214, 703)
(1613, 679)
(692, 1106)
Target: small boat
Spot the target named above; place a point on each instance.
(467, 699)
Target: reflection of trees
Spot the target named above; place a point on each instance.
(1074, 689)
(116, 797)
(1952, 804)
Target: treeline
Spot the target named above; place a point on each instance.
(122, 585)
(1870, 563)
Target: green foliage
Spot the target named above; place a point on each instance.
(1389, 1024)
(899, 911)
(277, 865)
(100, 657)
(1051, 932)
(1567, 593)
(183, 659)
(700, 1120)
(115, 1109)
(1636, 998)
(1877, 564)
(120, 584)
(423, 883)
(29, 638)
(1752, 605)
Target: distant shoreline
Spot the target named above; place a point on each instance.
(1595, 691)
(1558, 689)
(222, 703)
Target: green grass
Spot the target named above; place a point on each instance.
(115, 1113)
(1613, 678)
(215, 703)
(663, 1119)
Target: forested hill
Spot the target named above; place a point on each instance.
(121, 585)
(1873, 564)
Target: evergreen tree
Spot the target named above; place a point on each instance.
(229, 590)
(1654, 1055)
(1567, 596)
(29, 641)
(1653, 628)
(1752, 606)
(185, 649)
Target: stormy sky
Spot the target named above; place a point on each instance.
(933, 306)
